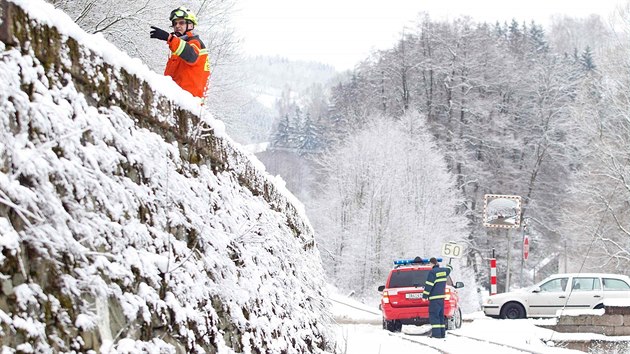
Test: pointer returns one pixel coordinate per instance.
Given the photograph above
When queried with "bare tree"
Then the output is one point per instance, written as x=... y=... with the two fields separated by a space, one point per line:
x=596 y=222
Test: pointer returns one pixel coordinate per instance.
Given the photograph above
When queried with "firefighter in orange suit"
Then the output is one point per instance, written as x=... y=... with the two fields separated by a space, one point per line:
x=188 y=63
x=435 y=291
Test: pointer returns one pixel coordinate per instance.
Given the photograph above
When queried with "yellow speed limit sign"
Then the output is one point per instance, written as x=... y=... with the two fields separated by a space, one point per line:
x=452 y=250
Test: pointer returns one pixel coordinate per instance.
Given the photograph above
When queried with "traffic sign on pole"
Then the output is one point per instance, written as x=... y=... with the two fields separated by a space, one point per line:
x=525 y=247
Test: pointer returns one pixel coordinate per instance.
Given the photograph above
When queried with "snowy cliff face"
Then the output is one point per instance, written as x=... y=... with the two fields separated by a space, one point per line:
x=127 y=223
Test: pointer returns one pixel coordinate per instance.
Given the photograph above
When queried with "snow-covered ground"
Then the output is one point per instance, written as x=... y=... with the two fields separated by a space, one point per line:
x=359 y=332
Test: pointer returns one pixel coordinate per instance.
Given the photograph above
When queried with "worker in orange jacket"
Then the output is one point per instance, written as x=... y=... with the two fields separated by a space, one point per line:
x=188 y=63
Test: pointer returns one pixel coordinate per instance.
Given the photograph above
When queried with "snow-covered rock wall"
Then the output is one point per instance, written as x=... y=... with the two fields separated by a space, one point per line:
x=128 y=224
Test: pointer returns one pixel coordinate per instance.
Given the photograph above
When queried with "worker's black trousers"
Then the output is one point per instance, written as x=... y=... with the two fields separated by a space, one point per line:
x=436 y=318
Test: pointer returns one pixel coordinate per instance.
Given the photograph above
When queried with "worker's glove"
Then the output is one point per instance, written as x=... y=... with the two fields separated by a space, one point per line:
x=159 y=33
x=425 y=296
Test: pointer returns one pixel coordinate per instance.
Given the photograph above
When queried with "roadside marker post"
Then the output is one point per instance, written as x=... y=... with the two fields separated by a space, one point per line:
x=493 y=274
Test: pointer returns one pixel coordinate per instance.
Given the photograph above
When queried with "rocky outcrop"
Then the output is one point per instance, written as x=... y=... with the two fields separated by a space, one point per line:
x=129 y=224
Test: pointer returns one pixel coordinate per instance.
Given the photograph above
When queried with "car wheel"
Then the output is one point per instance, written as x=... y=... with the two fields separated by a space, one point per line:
x=455 y=321
x=512 y=311
x=392 y=326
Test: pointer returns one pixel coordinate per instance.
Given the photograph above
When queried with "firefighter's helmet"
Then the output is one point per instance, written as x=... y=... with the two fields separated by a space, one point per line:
x=185 y=13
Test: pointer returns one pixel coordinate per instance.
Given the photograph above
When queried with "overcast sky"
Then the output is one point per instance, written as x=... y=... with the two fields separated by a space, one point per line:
x=343 y=32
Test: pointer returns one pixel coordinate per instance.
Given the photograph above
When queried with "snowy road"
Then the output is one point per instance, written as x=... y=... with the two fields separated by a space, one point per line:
x=359 y=331
x=504 y=338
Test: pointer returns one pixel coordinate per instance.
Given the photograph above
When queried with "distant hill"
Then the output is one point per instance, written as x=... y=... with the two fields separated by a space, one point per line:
x=249 y=109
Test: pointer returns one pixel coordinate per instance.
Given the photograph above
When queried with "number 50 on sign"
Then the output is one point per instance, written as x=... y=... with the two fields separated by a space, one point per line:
x=452 y=250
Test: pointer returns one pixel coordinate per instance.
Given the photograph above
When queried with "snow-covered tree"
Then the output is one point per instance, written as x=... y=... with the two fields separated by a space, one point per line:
x=388 y=195
x=595 y=222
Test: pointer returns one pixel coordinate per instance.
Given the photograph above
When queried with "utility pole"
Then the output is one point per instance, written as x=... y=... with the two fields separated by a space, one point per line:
x=522 y=253
x=565 y=256
x=509 y=252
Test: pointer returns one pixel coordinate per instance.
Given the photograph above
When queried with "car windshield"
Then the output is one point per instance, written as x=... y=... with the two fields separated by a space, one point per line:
x=406 y=278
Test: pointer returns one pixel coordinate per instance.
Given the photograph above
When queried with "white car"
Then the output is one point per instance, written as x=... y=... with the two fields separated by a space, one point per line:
x=587 y=291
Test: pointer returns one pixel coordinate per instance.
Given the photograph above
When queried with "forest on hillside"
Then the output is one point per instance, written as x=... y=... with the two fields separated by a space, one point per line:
x=508 y=109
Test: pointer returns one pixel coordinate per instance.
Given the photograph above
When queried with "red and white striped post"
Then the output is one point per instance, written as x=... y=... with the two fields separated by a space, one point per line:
x=493 y=274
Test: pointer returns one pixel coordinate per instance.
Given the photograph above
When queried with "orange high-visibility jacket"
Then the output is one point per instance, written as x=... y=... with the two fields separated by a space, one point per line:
x=188 y=65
